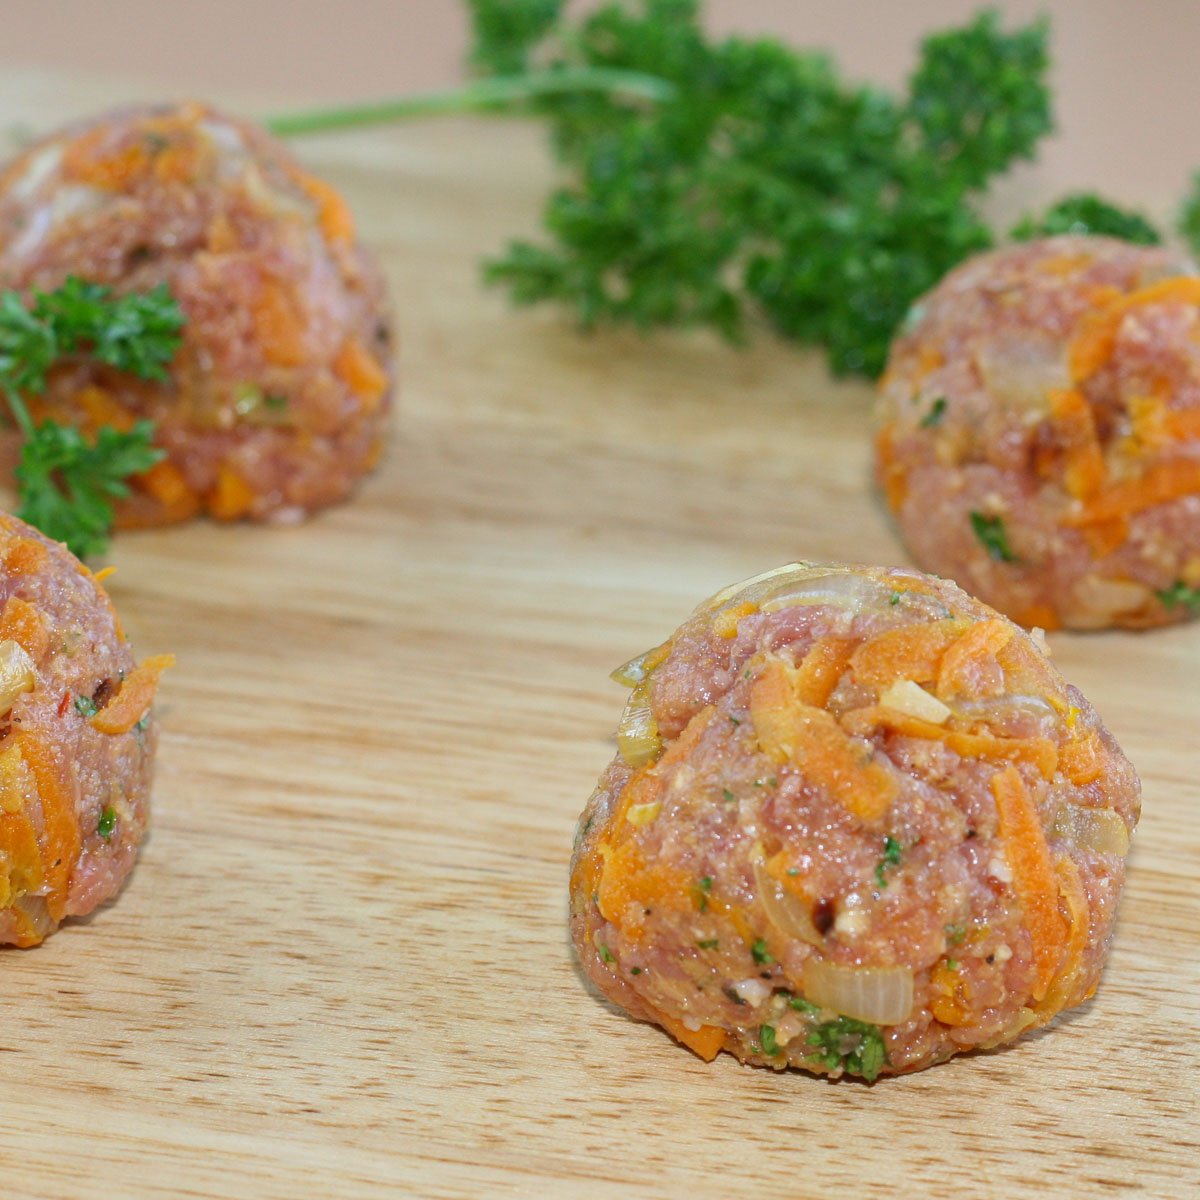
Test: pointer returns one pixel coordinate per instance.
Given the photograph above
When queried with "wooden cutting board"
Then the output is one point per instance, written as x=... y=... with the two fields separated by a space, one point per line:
x=342 y=969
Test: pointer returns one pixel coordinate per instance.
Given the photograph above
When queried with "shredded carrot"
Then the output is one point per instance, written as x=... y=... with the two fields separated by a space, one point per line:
x=333 y=213
x=1093 y=345
x=88 y=160
x=1039 y=751
x=969 y=666
x=1065 y=264
x=20 y=858
x=1039 y=615
x=25 y=556
x=1182 y=424
x=181 y=161
x=788 y=730
x=725 y=623
x=232 y=497
x=1034 y=878
x=929 y=358
x=910 y=652
x=951 y=1003
x=134 y=697
x=167 y=484
x=1083 y=460
x=279 y=325
x=221 y=237
x=1103 y=537
x=708 y=1041
x=102 y=409
x=893 y=477
x=361 y=372
x=1162 y=483
x=24 y=624
x=104 y=573
x=1080 y=760
x=822 y=667
x=1059 y=994
x=58 y=789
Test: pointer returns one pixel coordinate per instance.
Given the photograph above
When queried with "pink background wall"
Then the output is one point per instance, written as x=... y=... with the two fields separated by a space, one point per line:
x=1127 y=83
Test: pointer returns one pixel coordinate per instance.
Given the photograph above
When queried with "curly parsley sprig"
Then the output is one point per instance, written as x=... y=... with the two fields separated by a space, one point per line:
x=66 y=482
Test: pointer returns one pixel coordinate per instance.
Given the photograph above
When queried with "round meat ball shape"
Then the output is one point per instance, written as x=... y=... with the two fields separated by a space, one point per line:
x=77 y=739
x=277 y=400
x=858 y=824
x=1039 y=432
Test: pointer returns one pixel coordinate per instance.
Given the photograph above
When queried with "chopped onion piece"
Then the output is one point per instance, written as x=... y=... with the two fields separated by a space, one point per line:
x=908 y=696
x=1099 y=600
x=17 y=673
x=1021 y=370
x=789 y=914
x=35 y=910
x=798 y=570
x=637 y=735
x=842 y=589
x=878 y=995
x=1098 y=829
x=633 y=672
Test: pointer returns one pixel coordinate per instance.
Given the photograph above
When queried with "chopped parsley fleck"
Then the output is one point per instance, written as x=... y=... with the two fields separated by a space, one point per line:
x=805 y=1006
x=729 y=796
x=85 y=706
x=772 y=782
x=793 y=870
x=894 y=598
x=735 y=720
x=606 y=955
x=107 y=823
x=1179 y=595
x=635 y=970
x=709 y=943
x=759 y=950
x=937 y=411
x=703 y=888
x=766 y=1035
x=993 y=536
x=955 y=934
x=853 y=1045
x=274 y=401
x=891 y=858
x=952 y=964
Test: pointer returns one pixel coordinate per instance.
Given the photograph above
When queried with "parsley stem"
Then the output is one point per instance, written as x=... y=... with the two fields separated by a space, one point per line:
x=20 y=413
x=480 y=95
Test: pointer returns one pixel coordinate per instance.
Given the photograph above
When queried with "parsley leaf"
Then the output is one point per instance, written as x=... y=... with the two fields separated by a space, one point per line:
x=766 y=1036
x=760 y=953
x=66 y=481
x=107 y=823
x=994 y=537
x=1179 y=595
x=937 y=410
x=1083 y=212
x=892 y=852
x=854 y=1045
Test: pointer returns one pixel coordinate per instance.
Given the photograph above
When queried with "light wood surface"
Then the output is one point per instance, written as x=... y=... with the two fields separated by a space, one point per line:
x=341 y=968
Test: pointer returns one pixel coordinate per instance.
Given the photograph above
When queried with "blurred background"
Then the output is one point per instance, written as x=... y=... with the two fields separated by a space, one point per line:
x=1126 y=84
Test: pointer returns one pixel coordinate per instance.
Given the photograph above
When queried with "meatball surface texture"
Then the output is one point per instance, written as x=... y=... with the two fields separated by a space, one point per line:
x=858 y=824
x=1038 y=434
x=278 y=397
x=77 y=738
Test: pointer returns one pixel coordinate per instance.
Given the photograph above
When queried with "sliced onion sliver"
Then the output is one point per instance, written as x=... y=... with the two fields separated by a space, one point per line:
x=878 y=995
x=842 y=589
x=637 y=735
x=789 y=914
x=1098 y=829
x=36 y=911
x=908 y=696
x=17 y=673
x=633 y=672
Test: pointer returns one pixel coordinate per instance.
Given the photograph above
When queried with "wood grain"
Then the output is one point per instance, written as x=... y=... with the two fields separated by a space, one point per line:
x=342 y=969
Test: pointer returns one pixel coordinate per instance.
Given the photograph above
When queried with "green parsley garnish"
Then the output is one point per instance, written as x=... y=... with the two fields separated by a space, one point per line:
x=952 y=964
x=606 y=955
x=703 y=888
x=854 y=1045
x=894 y=598
x=66 y=481
x=955 y=934
x=992 y=534
x=107 y=823
x=709 y=944
x=85 y=706
x=935 y=414
x=766 y=1035
x=891 y=858
x=1084 y=212
x=635 y=970
x=759 y=951
x=1179 y=595
x=805 y=1006
x=728 y=795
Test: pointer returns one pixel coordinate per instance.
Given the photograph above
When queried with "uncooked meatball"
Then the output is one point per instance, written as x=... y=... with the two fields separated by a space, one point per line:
x=77 y=738
x=858 y=824
x=1039 y=432
x=277 y=400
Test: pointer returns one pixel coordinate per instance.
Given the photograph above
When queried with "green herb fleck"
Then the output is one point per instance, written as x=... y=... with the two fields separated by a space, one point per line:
x=955 y=934
x=992 y=534
x=1179 y=595
x=759 y=951
x=891 y=858
x=709 y=944
x=85 y=706
x=635 y=970
x=703 y=888
x=935 y=414
x=853 y=1045
x=606 y=955
x=805 y=1006
x=766 y=1035
x=894 y=598
x=952 y=964
x=773 y=782
x=735 y=720
x=729 y=796
x=107 y=823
